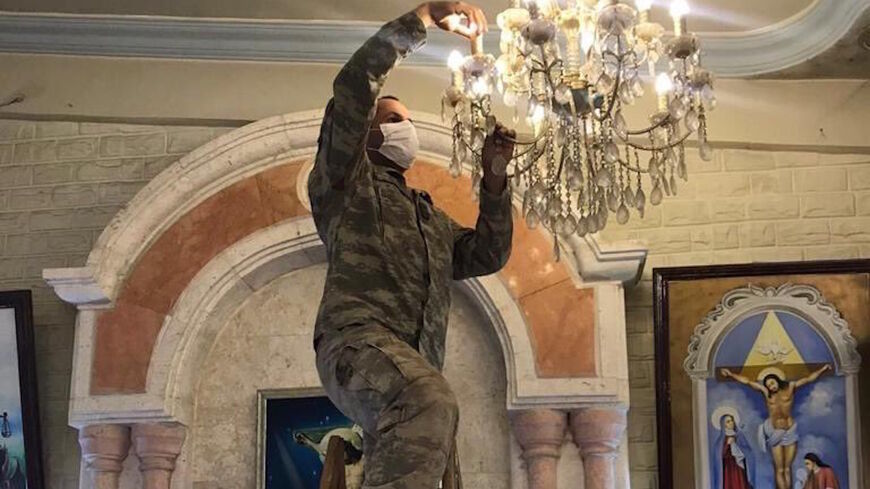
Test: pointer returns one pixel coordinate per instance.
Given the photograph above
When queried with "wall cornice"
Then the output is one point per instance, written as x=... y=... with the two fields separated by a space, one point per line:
x=740 y=54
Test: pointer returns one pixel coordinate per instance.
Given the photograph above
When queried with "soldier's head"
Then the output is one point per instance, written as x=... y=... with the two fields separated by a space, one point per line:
x=392 y=139
x=774 y=383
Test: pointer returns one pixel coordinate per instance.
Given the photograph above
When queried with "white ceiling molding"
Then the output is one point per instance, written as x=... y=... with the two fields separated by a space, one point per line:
x=784 y=44
x=738 y=54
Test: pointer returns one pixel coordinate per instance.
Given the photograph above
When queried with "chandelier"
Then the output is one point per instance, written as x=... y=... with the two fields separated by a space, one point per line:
x=570 y=68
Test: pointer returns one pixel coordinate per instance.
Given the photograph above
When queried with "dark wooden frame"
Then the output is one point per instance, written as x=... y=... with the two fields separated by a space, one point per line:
x=661 y=279
x=20 y=301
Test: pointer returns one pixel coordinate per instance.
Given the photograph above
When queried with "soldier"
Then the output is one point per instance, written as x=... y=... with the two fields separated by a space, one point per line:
x=380 y=330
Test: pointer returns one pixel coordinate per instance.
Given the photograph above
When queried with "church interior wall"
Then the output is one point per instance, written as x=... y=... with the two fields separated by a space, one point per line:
x=791 y=185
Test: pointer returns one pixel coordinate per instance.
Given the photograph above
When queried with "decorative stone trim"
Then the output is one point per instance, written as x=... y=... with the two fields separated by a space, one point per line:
x=738 y=54
x=248 y=264
x=76 y=286
x=251 y=150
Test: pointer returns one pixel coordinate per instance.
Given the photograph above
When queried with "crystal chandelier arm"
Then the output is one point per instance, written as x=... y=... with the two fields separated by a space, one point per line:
x=665 y=121
x=532 y=161
x=672 y=144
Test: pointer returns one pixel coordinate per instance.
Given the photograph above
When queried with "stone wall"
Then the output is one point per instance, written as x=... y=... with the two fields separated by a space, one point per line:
x=60 y=184
x=744 y=206
x=266 y=344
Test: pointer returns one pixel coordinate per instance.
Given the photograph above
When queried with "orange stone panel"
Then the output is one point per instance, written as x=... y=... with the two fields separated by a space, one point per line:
x=560 y=317
x=125 y=337
x=168 y=266
x=562 y=322
x=277 y=188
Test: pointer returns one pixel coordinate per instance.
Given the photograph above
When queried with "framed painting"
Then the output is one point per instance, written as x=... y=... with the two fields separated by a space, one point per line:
x=20 y=452
x=758 y=375
x=294 y=428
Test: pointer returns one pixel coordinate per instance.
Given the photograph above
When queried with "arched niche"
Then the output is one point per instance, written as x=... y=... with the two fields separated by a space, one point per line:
x=195 y=239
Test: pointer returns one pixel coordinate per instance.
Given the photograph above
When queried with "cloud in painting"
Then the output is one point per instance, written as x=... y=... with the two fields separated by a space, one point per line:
x=821 y=445
x=736 y=397
x=820 y=402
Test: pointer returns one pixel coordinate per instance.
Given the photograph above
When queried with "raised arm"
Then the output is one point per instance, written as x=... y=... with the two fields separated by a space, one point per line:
x=812 y=377
x=348 y=117
x=343 y=132
x=486 y=248
x=745 y=381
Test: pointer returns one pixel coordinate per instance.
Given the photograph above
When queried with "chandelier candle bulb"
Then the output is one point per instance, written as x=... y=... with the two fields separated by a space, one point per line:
x=454 y=62
x=663 y=86
x=643 y=7
x=477 y=44
x=679 y=10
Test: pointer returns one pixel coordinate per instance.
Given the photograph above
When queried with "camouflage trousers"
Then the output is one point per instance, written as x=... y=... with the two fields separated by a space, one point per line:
x=404 y=405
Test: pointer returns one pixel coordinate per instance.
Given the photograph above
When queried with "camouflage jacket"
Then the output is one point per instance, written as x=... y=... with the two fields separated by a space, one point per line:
x=392 y=254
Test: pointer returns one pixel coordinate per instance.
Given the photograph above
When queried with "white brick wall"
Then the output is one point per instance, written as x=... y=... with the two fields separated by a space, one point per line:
x=742 y=207
x=60 y=183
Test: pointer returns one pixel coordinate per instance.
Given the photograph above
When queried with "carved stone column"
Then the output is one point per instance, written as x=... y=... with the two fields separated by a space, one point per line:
x=157 y=446
x=598 y=433
x=104 y=448
x=540 y=433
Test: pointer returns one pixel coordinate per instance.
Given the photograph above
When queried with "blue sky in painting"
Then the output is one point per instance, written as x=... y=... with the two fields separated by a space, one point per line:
x=819 y=407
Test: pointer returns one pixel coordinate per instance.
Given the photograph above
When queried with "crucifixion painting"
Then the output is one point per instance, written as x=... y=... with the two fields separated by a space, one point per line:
x=773 y=376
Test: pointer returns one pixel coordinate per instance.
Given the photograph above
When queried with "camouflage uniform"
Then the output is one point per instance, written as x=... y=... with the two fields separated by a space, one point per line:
x=392 y=254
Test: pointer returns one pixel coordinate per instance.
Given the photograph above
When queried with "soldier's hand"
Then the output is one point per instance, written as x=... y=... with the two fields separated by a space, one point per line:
x=498 y=149
x=449 y=17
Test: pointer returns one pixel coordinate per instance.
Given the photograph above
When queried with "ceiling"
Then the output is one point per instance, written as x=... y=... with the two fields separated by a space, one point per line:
x=708 y=15
x=750 y=20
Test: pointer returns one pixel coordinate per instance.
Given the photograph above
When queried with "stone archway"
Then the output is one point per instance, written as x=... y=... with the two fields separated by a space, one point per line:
x=203 y=233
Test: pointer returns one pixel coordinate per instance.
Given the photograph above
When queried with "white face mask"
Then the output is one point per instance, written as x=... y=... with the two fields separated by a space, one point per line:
x=400 y=143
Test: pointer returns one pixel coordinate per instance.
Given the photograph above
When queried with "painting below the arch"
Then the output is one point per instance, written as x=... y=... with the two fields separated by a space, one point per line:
x=294 y=427
x=759 y=375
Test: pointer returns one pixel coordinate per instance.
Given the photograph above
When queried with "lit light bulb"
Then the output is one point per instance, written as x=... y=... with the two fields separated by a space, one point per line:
x=643 y=5
x=455 y=60
x=538 y=114
x=587 y=38
x=664 y=84
x=679 y=10
x=480 y=87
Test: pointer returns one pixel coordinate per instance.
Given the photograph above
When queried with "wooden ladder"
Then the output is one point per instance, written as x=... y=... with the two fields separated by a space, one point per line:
x=332 y=476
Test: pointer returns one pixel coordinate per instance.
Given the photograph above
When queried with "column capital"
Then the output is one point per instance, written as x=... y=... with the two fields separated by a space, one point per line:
x=598 y=430
x=540 y=433
x=158 y=445
x=598 y=433
x=104 y=448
